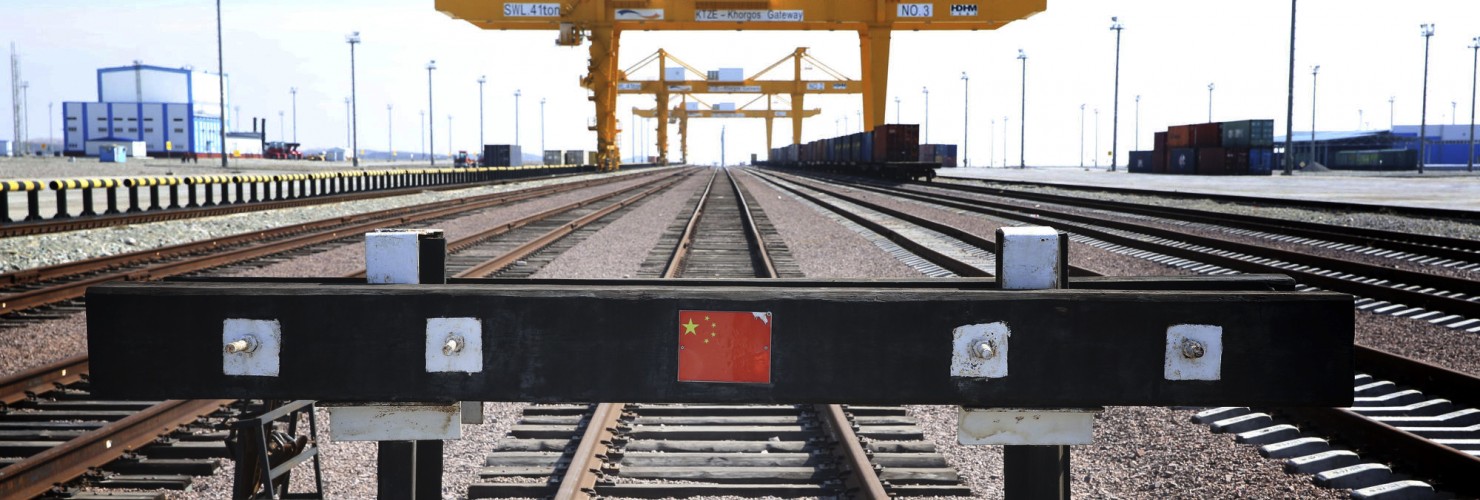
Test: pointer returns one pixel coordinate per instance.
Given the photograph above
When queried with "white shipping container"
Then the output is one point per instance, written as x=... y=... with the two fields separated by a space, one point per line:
x=134 y=149
x=691 y=106
x=673 y=74
x=724 y=106
x=7 y=148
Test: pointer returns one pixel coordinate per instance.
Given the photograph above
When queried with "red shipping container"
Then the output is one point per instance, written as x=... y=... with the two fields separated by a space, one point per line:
x=1207 y=135
x=1159 y=140
x=1179 y=136
x=896 y=143
x=1212 y=161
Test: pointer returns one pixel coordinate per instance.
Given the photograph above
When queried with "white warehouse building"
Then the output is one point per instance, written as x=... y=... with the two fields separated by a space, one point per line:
x=173 y=111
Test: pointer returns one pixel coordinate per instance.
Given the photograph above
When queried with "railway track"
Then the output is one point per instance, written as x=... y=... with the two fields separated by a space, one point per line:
x=641 y=450
x=52 y=432
x=1421 y=416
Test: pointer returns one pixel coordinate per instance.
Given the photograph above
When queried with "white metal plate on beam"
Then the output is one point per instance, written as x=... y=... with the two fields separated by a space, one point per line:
x=393 y=256
x=263 y=338
x=454 y=345
x=1007 y=426
x=396 y=422
x=1207 y=364
x=969 y=359
x=1030 y=258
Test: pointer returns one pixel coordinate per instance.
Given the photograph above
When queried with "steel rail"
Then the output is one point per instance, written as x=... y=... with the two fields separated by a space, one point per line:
x=1079 y=224
x=327 y=232
x=579 y=481
x=22 y=385
x=37 y=474
x=685 y=240
x=494 y=265
x=1463 y=215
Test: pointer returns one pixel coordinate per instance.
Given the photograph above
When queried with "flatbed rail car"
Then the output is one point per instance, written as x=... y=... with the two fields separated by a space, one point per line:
x=887 y=151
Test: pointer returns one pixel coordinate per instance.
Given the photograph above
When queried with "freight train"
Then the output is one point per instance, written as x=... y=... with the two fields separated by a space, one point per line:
x=888 y=151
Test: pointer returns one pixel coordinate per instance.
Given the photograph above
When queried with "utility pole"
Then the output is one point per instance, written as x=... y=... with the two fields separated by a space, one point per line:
x=992 y=145
x=1210 y=103
x=481 y=140
x=896 y=110
x=926 y=132
x=1391 y=99
x=1138 y=122
x=15 y=94
x=1427 y=30
x=966 y=121
x=1004 y=141
x=26 y=117
x=1314 y=72
x=1023 y=114
x=348 y=133
x=294 y=92
x=390 y=131
x=423 y=121
x=1081 y=135
x=1115 y=120
x=516 y=118
x=1097 y=138
x=721 y=145
x=221 y=82
x=542 y=126
x=1474 y=71
x=431 y=65
x=354 y=114
x=450 y=149
x=1290 y=102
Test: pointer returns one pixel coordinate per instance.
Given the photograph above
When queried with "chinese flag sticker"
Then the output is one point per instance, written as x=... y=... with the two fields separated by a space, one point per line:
x=724 y=346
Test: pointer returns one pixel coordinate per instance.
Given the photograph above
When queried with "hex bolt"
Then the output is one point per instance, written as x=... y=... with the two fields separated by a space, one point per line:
x=1192 y=349
x=983 y=349
x=243 y=345
x=454 y=345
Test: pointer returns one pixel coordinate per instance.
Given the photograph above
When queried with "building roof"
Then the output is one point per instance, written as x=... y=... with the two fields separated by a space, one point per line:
x=1331 y=136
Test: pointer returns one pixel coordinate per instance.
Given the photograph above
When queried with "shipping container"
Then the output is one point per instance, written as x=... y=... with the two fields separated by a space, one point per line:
x=502 y=155
x=590 y=157
x=1179 y=136
x=112 y=154
x=1207 y=135
x=7 y=148
x=896 y=143
x=944 y=154
x=1140 y=162
x=1261 y=161
x=1248 y=133
x=575 y=157
x=1381 y=159
x=553 y=157
x=1181 y=161
x=673 y=74
x=724 y=106
x=1211 y=161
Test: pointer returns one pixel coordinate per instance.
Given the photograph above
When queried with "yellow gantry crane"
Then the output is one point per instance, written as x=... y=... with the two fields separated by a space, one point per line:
x=795 y=87
x=603 y=21
x=683 y=112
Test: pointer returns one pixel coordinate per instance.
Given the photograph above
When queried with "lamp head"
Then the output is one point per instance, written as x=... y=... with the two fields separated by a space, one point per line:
x=353 y=38
x=1210 y=86
x=431 y=65
x=482 y=79
x=1115 y=23
x=1426 y=29
x=1022 y=55
x=292 y=90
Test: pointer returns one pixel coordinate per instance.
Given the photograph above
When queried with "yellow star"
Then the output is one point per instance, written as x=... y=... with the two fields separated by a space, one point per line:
x=706 y=341
x=714 y=325
x=689 y=328
x=712 y=334
x=706 y=318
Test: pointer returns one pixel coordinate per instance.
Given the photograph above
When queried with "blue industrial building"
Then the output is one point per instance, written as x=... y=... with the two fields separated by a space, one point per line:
x=172 y=111
x=1446 y=145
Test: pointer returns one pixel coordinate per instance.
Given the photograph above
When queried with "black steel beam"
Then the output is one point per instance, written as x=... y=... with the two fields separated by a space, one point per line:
x=543 y=343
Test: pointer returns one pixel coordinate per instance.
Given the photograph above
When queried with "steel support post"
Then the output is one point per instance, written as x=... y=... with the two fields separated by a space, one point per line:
x=1037 y=472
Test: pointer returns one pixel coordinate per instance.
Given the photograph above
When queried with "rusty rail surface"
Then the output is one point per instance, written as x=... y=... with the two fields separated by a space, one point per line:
x=42 y=379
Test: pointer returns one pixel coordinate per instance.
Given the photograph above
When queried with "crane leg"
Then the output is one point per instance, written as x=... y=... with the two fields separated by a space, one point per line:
x=662 y=128
x=874 y=48
x=796 y=118
x=769 y=125
x=683 y=136
x=603 y=84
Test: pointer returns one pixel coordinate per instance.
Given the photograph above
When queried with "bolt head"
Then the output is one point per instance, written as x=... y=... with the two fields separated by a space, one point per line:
x=1192 y=349
x=983 y=349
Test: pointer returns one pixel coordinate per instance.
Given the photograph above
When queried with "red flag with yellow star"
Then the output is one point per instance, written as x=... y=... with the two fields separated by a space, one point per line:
x=724 y=346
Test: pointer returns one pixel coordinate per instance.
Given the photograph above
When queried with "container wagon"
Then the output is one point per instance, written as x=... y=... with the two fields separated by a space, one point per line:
x=887 y=151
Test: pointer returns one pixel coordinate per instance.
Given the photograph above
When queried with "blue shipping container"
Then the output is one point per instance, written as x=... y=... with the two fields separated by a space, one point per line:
x=1261 y=161
x=1140 y=162
x=1182 y=161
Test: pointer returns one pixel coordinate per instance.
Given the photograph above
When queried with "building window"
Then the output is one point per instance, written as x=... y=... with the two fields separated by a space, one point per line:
x=102 y=130
x=148 y=130
x=71 y=129
x=179 y=119
x=179 y=131
x=102 y=119
x=118 y=129
x=148 y=119
x=133 y=119
x=132 y=129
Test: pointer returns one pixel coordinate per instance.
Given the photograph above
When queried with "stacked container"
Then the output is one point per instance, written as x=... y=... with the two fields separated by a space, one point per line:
x=575 y=157
x=553 y=157
x=501 y=155
x=1242 y=147
x=944 y=154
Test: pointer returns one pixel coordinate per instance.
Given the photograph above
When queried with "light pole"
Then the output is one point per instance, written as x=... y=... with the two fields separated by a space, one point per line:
x=50 y=125
x=1081 y=135
x=1453 y=110
x=26 y=117
x=858 y=113
x=423 y=121
x=431 y=65
x=966 y=120
x=1097 y=138
x=390 y=131
x=294 y=92
x=1210 y=103
x=1290 y=102
x=542 y=125
x=926 y=132
x=235 y=116
x=1023 y=114
x=992 y=145
x=347 y=132
x=845 y=124
x=1391 y=99
x=1314 y=73
x=221 y=82
x=1361 y=118
x=1474 y=71
x=354 y=116
x=1115 y=117
x=1427 y=30
x=282 y=129
x=896 y=110
x=481 y=80
x=516 y=117
x=449 y=138
x=1004 y=141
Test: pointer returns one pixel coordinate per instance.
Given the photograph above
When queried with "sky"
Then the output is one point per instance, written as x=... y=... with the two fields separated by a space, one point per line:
x=1368 y=51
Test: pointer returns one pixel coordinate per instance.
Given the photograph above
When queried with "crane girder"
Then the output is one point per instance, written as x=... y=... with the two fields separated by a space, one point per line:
x=715 y=113
x=746 y=87
x=602 y=22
